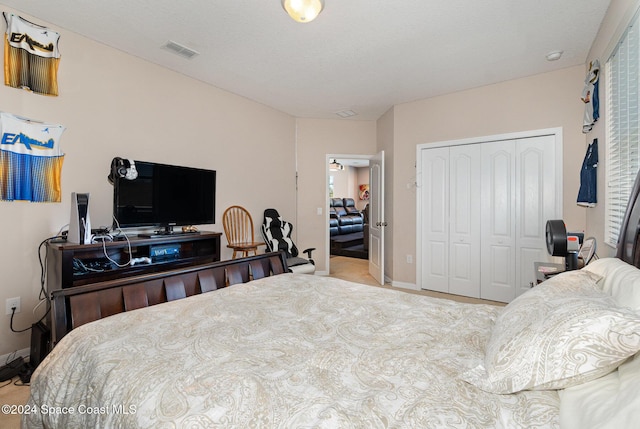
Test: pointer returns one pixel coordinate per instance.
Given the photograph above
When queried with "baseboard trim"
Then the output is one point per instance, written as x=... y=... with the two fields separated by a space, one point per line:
x=404 y=285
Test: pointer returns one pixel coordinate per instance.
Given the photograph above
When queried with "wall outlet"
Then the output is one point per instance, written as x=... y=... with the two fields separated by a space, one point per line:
x=409 y=259
x=13 y=302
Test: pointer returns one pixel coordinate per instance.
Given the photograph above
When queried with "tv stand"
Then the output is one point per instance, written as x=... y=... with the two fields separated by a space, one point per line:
x=66 y=260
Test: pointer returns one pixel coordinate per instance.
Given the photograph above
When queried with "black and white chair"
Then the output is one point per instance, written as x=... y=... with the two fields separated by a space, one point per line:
x=277 y=236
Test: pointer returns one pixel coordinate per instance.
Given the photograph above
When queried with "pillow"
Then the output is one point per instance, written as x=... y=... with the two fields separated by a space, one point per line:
x=610 y=402
x=561 y=333
x=620 y=280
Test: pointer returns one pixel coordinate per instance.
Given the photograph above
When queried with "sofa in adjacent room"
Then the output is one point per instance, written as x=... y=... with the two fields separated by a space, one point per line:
x=346 y=226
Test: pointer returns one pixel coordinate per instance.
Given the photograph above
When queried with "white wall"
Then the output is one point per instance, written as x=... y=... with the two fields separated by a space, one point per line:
x=114 y=104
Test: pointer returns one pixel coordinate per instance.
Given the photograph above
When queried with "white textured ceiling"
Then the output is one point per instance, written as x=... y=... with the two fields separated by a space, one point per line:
x=362 y=55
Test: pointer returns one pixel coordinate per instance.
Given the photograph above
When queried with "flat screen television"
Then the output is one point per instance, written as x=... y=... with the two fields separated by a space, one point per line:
x=165 y=196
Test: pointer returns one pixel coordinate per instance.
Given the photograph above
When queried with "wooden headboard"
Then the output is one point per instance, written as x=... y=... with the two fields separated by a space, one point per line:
x=78 y=305
x=628 y=244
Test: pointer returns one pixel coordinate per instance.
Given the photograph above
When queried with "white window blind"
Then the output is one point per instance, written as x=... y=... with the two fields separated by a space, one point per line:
x=623 y=127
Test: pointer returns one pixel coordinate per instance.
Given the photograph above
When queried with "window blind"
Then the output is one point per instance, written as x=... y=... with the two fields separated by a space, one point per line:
x=623 y=128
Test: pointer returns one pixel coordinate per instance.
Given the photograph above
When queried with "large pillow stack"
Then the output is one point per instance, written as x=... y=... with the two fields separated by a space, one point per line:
x=562 y=333
x=613 y=401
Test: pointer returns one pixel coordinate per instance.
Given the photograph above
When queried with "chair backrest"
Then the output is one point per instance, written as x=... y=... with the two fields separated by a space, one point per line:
x=238 y=225
x=277 y=233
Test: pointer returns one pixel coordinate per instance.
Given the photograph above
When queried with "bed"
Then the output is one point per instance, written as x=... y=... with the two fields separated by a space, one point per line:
x=301 y=351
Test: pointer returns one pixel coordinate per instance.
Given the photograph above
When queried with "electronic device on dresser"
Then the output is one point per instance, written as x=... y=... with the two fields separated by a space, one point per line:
x=564 y=244
x=163 y=196
x=79 y=222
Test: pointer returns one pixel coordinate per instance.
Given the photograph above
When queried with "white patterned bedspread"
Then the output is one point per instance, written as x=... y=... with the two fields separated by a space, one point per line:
x=289 y=351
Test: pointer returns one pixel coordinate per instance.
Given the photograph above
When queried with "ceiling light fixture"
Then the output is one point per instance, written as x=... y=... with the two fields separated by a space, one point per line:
x=334 y=165
x=554 y=55
x=303 y=10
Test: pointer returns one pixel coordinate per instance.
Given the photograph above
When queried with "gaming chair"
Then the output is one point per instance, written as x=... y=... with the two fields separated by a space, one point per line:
x=277 y=236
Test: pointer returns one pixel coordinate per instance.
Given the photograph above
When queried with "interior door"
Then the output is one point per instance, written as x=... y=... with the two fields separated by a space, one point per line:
x=376 y=217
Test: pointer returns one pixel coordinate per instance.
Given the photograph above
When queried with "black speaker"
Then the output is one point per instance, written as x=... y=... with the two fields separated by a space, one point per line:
x=40 y=344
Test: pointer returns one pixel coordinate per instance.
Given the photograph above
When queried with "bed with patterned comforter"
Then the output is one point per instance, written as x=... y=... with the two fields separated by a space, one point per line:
x=287 y=351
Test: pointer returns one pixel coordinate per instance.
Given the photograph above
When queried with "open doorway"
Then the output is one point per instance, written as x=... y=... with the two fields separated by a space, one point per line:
x=348 y=195
x=348 y=201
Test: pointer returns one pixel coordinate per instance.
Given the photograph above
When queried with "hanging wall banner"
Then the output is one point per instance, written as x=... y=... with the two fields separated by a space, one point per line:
x=30 y=160
x=31 y=56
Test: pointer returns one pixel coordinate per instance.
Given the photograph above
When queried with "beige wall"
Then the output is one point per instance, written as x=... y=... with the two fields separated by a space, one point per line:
x=543 y=101
x=616 y=20
x=346 y=183
x=114 y=104
x=317 y=138
x=343 y=182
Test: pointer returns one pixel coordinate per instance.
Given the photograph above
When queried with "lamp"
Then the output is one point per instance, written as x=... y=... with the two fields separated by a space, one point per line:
x=303 y=10
x=334 y=165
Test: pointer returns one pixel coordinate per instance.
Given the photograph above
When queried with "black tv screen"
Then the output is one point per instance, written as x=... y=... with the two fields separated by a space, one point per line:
x=165 y=196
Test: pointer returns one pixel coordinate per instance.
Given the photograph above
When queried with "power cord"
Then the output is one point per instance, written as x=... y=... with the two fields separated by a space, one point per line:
x=120 y=233
x=43 y=276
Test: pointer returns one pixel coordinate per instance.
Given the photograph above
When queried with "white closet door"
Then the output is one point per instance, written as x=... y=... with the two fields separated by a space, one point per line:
x=518 y=197
x=464 y=216
x=483 y=210
x=498 y=236
x=435 y=222
x=535 y=194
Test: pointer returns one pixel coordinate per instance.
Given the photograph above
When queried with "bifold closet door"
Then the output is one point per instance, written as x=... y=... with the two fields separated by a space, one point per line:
x=498 y=220
x=518 y=197
x=435 y=219
x=464 y=220
x=537 y=203
x=451 y=222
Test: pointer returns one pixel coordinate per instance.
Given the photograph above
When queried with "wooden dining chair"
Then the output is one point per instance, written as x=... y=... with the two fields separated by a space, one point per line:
x=238 y=227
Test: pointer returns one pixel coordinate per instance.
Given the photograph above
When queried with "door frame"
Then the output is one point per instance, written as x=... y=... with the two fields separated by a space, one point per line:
x=327 y=241
x=556 y=132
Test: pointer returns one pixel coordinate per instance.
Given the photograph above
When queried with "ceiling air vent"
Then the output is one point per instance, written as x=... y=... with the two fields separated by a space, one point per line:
x=181 y=50
x=346 y=113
